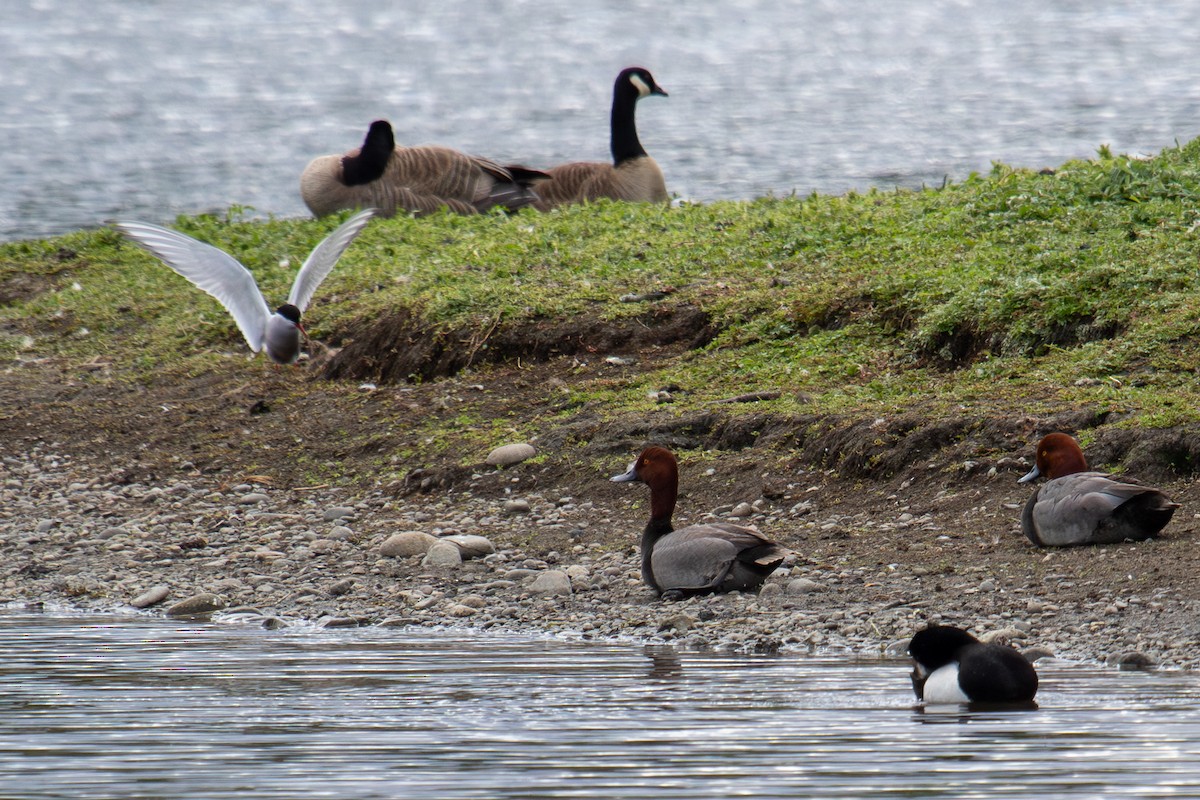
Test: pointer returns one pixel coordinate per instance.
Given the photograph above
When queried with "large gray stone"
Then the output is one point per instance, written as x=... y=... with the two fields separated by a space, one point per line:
x=509 y=454
x=442 y=554
x=470 y=545
x=407 y=543
x=197 y=605
x=552 y=582
x=150 y=597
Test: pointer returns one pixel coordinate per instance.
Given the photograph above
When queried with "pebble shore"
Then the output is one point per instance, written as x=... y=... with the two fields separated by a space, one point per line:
x=514 y=561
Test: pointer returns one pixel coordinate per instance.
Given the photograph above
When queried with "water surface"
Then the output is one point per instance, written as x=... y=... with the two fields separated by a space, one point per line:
x=101 y=707
x=146 y=108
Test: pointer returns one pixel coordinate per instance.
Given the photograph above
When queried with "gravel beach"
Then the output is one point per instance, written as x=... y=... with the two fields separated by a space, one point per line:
x=507 y=548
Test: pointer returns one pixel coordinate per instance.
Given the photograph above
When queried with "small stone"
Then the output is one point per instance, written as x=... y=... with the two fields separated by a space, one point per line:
x=1132 y=660
x=470 y=545
x=460 y=610
x=509 y=454
x=442 y=554
x=551 y=582
x=804 y=586
x=273 y=623
x=678 y=622
x=742 y=510
x=987 y=586
x=1036 y=652
x=196 y=606
x=151 y=597
x=517 y=506
x=252 y=498
x=340 y=588
x=408 y=543
x=770 y=591
x=340 y=533
x=338 y=512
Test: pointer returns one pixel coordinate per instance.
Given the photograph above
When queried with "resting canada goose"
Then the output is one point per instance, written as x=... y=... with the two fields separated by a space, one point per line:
x=633 y=175
x=417 y=179
x=220 y=274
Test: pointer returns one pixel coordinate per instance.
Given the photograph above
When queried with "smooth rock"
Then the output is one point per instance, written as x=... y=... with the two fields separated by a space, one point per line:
x=552 y=582
x=252 y=498
x=442 y=554
x=151 y=597
x=803 y=586
x=407 y=543
x=509 y=454
x=517 y=506
x=470 y=545
x=340 y=588
x=196 y=605
x=742 y=510
x=340 y=533
x=338 y=512
x=1132 y=660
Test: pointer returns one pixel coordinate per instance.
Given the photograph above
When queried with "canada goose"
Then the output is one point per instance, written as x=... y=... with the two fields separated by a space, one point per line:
x=417 y=179
x=220 y=274
x=699 y=559
x=633 y=175
x=1077 y=507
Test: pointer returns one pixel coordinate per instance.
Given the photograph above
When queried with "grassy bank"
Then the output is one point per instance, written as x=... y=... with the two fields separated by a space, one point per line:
x=1016 y=292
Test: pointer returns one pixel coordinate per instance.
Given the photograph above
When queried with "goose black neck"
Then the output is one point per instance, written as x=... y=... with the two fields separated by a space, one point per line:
x=625 y=144
x=372 y=158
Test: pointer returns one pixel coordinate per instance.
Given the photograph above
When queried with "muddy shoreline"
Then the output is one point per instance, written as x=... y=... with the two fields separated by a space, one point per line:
x=874 y=560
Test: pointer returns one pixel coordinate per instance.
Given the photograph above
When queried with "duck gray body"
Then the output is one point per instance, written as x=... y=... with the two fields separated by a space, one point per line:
x=1092 y=508
x=715 y=557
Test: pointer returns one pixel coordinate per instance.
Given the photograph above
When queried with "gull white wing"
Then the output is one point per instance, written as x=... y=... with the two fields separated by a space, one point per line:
x=324 y=256
x=210 y=269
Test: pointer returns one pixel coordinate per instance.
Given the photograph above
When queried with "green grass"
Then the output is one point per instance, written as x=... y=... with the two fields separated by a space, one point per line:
x=1015 y=289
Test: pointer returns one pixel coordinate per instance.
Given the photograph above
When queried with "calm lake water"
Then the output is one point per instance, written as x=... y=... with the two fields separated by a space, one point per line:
x=138 y=707
x=149 y=108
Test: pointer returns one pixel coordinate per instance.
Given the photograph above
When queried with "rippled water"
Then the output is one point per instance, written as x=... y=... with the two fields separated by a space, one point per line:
x=146 y=109
x=101 y=707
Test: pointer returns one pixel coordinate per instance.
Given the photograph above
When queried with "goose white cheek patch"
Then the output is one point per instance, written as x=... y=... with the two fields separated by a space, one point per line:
x=642 y=87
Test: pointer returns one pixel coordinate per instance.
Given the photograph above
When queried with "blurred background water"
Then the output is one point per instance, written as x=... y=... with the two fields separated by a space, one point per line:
x=149 y=108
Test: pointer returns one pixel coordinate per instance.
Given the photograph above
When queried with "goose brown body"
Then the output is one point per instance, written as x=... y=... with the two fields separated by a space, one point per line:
x=632 y=176
x=698 y=559
x=420 y=179
x=1077 y=506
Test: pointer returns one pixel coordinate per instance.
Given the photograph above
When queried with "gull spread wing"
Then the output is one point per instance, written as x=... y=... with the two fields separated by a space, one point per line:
x=210 y=269
x=322 y=259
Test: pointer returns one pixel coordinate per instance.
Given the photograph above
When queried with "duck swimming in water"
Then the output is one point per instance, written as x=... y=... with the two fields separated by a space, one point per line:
x=1076 y=506
x=699 y=559
x=952 y=666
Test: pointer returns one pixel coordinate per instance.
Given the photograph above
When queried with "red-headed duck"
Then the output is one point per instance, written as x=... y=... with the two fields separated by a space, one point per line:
x=416 y=179
x=952 y=666
x=698 y=559
x=220 y=274
x=1076 y=506
x=632 y=176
